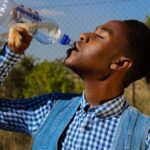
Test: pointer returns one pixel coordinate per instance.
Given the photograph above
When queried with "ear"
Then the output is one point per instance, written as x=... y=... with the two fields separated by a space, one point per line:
x=122 y=63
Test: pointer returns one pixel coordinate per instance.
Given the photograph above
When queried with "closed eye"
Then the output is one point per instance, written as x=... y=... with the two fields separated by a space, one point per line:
x=99 y=36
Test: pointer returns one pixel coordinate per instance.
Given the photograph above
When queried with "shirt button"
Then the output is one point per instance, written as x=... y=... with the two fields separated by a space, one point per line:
x=85 y=126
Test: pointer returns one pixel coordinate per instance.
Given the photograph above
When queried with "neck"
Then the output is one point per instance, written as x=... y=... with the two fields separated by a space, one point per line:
x=97 y=93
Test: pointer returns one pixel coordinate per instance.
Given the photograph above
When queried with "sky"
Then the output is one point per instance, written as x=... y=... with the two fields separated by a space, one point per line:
x=77 y=16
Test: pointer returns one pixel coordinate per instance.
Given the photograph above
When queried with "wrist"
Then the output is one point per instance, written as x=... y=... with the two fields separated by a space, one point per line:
x=15 y=51
x=11 y=53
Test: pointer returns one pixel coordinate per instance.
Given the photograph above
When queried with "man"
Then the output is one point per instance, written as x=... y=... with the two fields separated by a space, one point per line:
x=108 y=60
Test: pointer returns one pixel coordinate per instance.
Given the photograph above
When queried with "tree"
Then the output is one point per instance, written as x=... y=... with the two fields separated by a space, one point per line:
x=50 y=77
x=147 y=21
x=15 y=83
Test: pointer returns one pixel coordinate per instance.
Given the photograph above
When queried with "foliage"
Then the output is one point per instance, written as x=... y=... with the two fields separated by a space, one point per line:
x=15 y=83
x=49 y=77
x=28 y=79
x=147 y=21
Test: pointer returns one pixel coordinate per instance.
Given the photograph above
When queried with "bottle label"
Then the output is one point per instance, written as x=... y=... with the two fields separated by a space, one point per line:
x=25 y=15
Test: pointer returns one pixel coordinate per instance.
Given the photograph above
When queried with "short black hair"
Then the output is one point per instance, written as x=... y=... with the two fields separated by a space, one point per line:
x=138 y=49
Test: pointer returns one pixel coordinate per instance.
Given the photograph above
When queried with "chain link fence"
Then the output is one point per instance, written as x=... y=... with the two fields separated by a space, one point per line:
x=75 y=17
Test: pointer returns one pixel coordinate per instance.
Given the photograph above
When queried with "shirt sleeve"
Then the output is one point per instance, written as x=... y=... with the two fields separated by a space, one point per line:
x=8 y=60
x=148 y=142
x=25 y=115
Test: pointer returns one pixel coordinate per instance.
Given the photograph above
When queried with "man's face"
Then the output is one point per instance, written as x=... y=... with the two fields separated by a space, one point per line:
x=95 y=51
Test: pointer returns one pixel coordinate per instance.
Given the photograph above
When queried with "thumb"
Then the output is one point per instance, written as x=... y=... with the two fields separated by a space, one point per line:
x=20 y=29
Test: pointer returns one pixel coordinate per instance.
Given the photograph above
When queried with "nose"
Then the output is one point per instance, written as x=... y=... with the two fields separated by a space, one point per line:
x=85 y=37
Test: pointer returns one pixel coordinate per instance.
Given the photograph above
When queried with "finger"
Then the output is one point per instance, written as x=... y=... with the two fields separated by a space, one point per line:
x=35 y=12
x=29 y=10
x=20 y=29
x=20 y=33
x=11 y=36
x=11 y=42
x=18 y=41
x=32 y=11
x=19 y=13
x=14 y=37
x=22 y=38
x=27 y=28
x=25 y=37
x=23 y=31
x=14 y=13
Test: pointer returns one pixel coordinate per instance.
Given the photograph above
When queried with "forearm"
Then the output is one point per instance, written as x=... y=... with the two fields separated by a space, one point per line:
x=25 y=115
x=18 y=42
x=8 y=60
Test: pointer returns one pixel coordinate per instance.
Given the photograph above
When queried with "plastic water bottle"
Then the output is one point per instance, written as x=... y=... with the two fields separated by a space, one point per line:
x=46 y=31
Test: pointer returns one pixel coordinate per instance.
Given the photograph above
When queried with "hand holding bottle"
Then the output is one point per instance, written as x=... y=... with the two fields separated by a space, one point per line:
x=48 y=32
x=18 y=39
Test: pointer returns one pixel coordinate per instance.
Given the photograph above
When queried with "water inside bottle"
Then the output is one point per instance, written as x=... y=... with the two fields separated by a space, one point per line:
x=45 y=33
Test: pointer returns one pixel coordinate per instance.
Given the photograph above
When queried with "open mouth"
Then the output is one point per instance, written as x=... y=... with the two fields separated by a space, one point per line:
x=73 y=48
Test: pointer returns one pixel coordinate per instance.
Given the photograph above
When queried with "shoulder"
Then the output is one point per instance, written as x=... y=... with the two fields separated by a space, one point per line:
x=64 y=96
x=55 y=96
x=141 y=116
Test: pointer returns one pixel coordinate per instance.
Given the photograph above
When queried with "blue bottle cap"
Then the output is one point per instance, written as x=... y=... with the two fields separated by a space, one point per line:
x=65 y=40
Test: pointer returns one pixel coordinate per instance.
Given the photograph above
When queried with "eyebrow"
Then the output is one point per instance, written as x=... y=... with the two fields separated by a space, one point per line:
x=105 y=29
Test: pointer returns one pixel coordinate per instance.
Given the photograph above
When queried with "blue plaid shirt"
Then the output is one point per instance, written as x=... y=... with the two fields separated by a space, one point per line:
x=92 y=128
x=8 y=59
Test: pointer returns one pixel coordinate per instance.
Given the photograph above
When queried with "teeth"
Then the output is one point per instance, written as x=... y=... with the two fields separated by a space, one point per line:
x=73 y=45
x=72 y=48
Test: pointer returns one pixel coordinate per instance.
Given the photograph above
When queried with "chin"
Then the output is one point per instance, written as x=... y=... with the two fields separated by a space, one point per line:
x=67 y=64
x=68 y=61
x=74 y=68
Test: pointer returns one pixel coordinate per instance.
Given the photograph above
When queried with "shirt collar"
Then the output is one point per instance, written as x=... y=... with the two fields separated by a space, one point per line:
x=113 y=107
